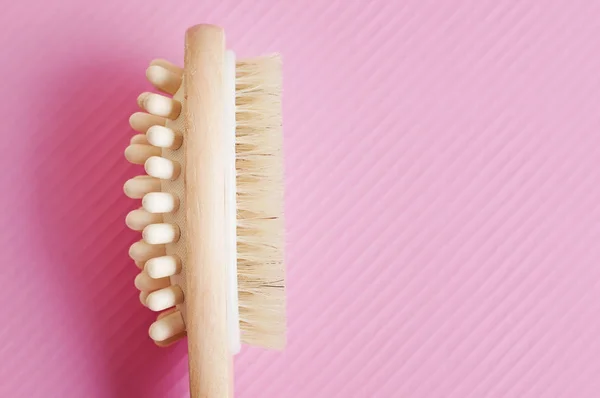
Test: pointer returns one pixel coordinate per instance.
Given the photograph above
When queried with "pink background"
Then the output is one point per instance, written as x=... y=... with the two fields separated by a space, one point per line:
x=443 y=197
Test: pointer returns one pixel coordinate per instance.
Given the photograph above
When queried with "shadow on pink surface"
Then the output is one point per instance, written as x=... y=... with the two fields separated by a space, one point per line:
x=81 y=209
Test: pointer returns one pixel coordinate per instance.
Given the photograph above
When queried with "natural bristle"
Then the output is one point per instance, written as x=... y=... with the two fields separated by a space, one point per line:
x=259 y=181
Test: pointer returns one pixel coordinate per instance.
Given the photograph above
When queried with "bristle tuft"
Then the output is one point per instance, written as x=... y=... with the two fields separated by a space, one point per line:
x=259 y=166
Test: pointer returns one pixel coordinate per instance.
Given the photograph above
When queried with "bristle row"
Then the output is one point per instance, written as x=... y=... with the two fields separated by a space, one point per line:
x=260 y=201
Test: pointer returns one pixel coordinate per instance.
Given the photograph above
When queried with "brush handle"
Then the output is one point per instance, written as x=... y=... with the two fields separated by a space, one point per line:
x=210 y=362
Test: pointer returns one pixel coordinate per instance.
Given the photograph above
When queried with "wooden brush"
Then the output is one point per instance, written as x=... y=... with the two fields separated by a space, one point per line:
x=211 y=252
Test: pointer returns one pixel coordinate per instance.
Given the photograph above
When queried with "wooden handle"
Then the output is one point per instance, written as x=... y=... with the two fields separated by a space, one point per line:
x=210 y=362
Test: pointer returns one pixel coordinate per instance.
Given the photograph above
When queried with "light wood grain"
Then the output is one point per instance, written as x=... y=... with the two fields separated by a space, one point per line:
x=209 y=358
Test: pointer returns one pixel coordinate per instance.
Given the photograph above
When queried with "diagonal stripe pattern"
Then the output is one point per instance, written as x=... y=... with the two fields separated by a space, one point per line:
x=442 y=197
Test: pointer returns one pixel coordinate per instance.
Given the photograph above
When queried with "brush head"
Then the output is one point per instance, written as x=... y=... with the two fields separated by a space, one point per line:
x=258 y=203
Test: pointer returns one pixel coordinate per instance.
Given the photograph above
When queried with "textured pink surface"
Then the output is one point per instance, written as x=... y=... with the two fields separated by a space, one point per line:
x=443 y=190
